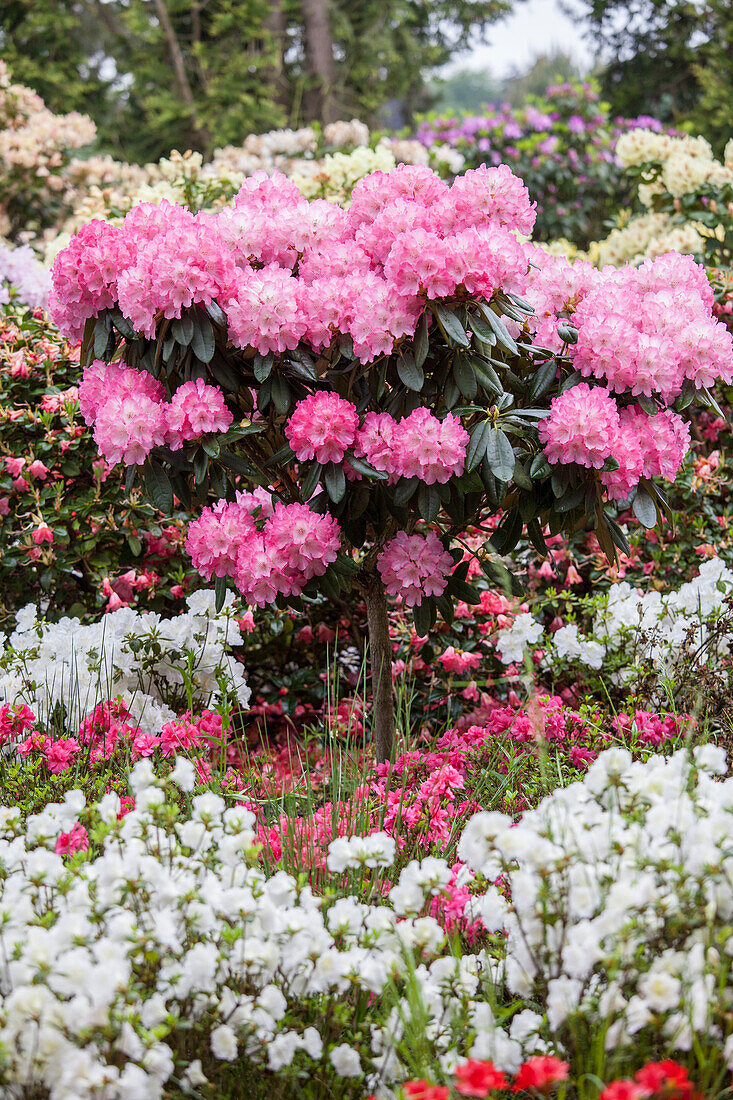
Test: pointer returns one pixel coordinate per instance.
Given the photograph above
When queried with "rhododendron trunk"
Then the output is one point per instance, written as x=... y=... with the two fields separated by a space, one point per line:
x=380 y=655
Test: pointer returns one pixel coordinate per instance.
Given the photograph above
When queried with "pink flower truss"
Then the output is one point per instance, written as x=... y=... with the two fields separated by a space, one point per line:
x=128 y=426
x=583 y=427
x=195 y=409
x=431 y=449
x=322 y=426
x=414 y=566
x=294 y=545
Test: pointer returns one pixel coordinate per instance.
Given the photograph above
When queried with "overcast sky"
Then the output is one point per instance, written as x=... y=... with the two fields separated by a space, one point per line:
x=535 y=27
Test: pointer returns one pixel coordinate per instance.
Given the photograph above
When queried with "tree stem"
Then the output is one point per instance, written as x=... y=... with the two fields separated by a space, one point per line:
x=380 y=656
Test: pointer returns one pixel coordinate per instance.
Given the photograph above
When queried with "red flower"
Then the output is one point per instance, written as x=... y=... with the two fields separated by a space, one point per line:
x=540 y=1073
x=479 y=1078
x=667 y=1079
x=423 y=1090
x=623 y=1090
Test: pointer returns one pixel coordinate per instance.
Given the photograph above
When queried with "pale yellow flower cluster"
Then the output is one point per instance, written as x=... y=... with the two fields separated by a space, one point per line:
x=678 y=167
x=683 y=164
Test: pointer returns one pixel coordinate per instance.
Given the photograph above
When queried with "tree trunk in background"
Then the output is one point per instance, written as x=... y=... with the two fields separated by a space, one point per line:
x=319 y=64
x=277 y=26
x=179 y=68
x=380 y=658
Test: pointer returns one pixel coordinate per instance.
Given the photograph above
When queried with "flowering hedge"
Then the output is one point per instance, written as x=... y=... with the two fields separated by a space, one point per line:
x=35 y=146
x=344 y=344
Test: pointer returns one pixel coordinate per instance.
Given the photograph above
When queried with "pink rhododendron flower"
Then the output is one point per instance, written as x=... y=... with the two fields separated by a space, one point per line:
x=322 y=426
x=194 y=410
x=583 y=427
x=414 y=566
x=42 y=533
x=431 y=449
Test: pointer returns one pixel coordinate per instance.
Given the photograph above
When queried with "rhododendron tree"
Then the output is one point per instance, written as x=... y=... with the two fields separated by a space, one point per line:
x=386 y=377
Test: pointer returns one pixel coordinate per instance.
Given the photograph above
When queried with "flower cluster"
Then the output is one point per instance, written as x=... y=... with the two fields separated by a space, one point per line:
x=419 y=445
x=294 y=545
x=163 y=259
x=605 y=858
x=414 y=566
x=130 y=417
x=562 y=144
x=22 y=275
x=323 y=426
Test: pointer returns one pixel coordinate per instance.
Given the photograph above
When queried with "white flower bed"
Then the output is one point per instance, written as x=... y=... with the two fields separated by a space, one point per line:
x=169 y=954
x=621 y=902
x=159 y=666
x=635 y=626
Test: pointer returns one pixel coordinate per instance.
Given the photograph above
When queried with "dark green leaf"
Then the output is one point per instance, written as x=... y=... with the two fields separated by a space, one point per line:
x=567 y=332
x=536 y=537
x=262 y=366
x=465 y=377
x=203 y=343
x=236 y=463
x=618 y=536
x=329 y=584
x=477 y=444
x=648 y=404
x=540 y=467
x=572 y=499
x=521 y=477
x=216 y=313
x=360 y=466
x=500 y=454
x=182 y=330
x=500 y=329
x=405 y=490
x=424 y=616
x=452 y=327
x=507 y=534
x=158 y=486
x=444 y=605
x=451 y=393
x=212 y=447
x=428 y=502
x=463 y=591
x=122 y=325
x=543 y=379
x=571 y=380
x=102 y=329
x=409 y=373
x=225 y=375
x=644 y=508
x=281 y=394
x=129 y=479
x=200 y=465
x=310 y=482
x=335 y=482
x=487 y=376
x=285 y=454
x=220 y=590
x=421 y=341
x=87 y=342
x=484 y=331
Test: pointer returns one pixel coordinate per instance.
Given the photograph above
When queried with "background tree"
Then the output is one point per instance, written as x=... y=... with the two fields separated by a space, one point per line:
x=464 y=90
x=546 y=69
x=663 y=56
x=162 y=74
